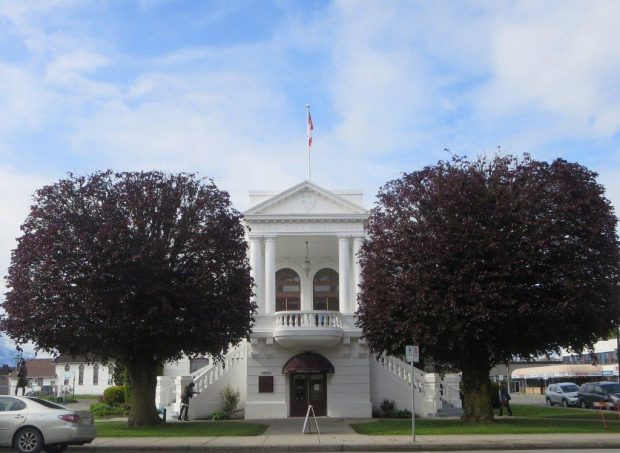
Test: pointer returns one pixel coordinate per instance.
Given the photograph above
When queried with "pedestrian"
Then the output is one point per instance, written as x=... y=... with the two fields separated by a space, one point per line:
x=504 y=398
x=188 y=393
x=61 y=394
x=22 y=377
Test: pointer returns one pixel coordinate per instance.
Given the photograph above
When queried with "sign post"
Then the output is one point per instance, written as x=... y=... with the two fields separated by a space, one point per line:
x=412 y=353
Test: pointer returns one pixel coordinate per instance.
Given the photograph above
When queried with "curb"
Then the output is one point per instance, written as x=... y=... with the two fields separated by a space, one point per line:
x=360 y=447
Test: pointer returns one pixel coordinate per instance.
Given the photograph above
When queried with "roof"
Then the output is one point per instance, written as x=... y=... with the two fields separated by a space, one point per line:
x=38 y=368
x=68 y=358
x=308 y=362
x=553 y=371
x=307 y=193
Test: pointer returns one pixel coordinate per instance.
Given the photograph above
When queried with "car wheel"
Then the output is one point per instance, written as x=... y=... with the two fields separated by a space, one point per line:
x=28 y=440
x=56 y=448
x=583 y=404
x=549 y=402
x=564 y=403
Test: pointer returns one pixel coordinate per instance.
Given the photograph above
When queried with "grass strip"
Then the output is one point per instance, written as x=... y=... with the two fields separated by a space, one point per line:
x=526 y=420
x=192 y=429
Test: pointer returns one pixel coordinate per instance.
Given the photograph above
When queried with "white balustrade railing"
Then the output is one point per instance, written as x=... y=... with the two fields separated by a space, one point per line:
x=169 y=389
x=402 y=370
x=206 y=376
x=315 y=319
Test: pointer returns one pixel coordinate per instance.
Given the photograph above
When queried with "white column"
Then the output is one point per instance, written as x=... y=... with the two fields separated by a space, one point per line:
x=344 y=258
x=256 y=263
x=270 y=274
x=357 y=269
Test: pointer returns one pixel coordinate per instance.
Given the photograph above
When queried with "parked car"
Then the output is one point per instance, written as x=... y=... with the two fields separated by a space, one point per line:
x=40 y=390
x=563 y=393
x=30 y=424
x=599 y=394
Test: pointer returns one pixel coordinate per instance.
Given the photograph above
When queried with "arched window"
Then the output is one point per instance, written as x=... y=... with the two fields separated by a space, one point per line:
x=67 y=367
x=288 y=290
x=81 y=375
x=325 y=290
x=96 y=375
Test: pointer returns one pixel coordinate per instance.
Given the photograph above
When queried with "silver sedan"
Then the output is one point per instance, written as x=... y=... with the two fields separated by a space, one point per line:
x=32 y=424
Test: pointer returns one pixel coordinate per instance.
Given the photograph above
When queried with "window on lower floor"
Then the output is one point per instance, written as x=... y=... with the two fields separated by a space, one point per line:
x=96 y=375
x=81 y=375
x=198 y=362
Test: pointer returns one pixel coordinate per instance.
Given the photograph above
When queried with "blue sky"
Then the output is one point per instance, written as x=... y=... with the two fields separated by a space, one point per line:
x=220 y=87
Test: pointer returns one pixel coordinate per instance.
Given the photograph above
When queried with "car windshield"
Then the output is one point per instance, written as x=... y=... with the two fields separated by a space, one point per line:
x=47 y=403
x=567 y=388
x=611 y=388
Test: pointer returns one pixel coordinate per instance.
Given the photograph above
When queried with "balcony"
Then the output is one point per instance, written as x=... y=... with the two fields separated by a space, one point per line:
x=314 y=329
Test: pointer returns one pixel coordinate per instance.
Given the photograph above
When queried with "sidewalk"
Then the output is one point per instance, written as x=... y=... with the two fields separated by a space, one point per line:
x=352 y=442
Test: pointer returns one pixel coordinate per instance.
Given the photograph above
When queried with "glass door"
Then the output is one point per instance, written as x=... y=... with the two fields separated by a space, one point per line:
x=308 y=389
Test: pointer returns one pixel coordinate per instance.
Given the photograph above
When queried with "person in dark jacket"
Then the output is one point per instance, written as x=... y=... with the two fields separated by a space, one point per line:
x=504 y=398
x=188 y=393
x=22 y=377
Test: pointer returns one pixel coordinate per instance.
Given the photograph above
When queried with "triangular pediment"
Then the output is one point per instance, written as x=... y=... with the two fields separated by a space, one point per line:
x=305 y=198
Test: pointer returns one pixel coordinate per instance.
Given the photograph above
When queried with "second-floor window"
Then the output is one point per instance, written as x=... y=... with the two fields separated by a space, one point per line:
x=325 y=290
x=288 y=290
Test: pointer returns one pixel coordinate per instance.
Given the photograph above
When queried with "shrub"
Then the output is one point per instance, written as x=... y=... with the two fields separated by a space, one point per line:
x=114 y=396
x=387 y=408
x=405 y=413
x=219 y=415
x=101 y=409
x=231 y=399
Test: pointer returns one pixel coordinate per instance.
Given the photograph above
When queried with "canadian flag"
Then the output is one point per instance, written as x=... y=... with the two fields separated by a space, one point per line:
x=310 y=129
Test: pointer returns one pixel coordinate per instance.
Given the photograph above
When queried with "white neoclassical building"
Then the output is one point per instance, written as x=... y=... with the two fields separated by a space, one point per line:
x=305 y=347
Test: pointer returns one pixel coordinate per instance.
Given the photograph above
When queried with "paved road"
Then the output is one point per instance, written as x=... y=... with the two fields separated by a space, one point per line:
x=537 y=400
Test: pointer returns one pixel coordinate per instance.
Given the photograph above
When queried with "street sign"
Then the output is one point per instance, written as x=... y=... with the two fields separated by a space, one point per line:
x=68 y=375
x=412 y=353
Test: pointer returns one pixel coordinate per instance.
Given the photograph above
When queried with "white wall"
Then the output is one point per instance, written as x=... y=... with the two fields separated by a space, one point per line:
x=348 y=389
x=87 y=387
x=177 y=368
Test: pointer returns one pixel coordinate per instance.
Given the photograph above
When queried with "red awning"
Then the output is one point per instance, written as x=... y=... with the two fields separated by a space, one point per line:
x=308 y=362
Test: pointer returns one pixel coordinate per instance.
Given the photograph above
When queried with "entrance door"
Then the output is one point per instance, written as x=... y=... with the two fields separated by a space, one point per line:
x=308 y=388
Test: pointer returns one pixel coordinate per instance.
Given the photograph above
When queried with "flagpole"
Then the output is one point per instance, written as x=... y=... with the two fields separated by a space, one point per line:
x=308 y=140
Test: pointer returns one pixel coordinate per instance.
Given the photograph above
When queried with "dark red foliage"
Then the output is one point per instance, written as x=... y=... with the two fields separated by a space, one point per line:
x=133 y=267
x=480 y=261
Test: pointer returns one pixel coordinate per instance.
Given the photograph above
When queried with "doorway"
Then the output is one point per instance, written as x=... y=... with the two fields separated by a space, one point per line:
x=308 y=388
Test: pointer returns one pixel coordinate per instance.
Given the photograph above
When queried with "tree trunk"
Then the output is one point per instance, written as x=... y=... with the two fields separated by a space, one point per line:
x=142 y=375
x=477 y=405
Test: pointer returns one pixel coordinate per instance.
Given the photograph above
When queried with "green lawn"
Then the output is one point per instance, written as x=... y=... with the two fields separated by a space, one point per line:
x=193 y=429
x=526 y=420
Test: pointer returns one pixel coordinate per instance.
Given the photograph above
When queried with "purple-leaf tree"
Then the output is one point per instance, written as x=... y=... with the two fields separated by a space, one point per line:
x=135 y=268
x=480 y=261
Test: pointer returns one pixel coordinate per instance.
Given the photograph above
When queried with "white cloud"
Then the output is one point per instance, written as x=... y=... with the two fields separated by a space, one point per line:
x=16 y=190
x=561 y=58
x=23 y=98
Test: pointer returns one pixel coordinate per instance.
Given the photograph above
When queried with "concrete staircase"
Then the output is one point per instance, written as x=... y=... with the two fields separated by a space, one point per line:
x=391 y=379
x=209 y=382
